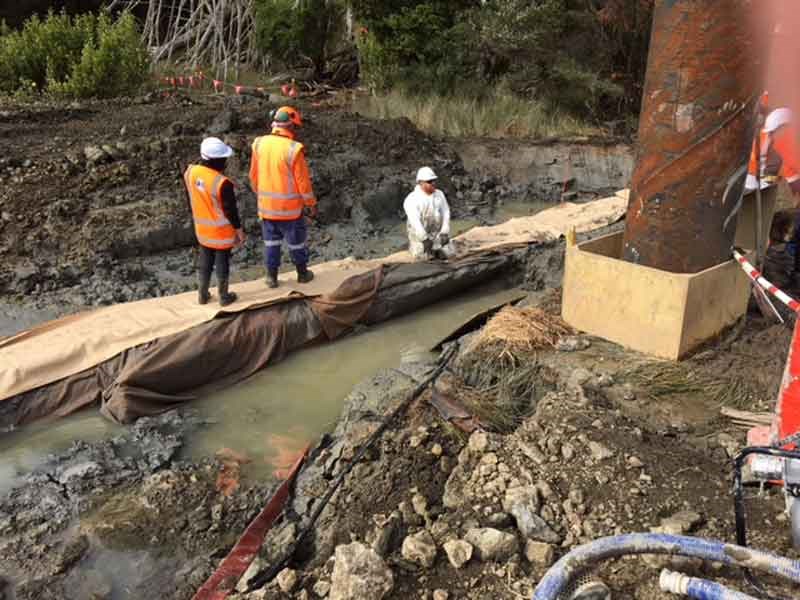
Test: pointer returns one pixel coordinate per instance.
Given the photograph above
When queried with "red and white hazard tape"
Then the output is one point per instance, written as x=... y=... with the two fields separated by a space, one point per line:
x=756 y=276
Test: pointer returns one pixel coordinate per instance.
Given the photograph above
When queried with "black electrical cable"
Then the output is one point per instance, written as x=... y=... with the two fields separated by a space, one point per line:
x=266 y=575
x=739 y=507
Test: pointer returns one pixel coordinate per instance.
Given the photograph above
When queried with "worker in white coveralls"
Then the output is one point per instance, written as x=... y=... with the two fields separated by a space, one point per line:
x=428 y=219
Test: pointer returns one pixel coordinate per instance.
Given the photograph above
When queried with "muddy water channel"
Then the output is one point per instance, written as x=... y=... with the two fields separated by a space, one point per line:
x=289 y=405
x=277 y=411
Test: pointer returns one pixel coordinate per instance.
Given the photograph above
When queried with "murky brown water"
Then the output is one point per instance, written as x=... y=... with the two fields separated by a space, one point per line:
x=278 y=410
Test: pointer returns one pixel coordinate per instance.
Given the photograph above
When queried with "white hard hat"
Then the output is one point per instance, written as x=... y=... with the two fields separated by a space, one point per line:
x=426 y=174
x=777 y=118
x=215 y=148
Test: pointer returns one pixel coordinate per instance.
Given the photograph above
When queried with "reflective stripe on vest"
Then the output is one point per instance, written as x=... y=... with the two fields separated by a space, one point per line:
x=211 y=227
x=278 y=198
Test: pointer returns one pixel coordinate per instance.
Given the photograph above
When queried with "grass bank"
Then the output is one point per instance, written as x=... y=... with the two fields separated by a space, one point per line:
x=499 y=115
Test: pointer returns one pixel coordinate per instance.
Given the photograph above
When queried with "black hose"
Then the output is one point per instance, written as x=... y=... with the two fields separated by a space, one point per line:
x=266 y=575
x=739 y=507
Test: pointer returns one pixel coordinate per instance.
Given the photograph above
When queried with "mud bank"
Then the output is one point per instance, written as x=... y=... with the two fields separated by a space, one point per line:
x=94 y=213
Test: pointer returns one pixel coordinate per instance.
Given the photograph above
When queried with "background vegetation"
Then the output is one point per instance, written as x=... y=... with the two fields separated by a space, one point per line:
x=80 y=56
x=504 y=67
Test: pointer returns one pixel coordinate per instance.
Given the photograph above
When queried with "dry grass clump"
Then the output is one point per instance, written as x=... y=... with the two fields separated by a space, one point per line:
x=500 y=375
x=515 y=332
x=662 y=378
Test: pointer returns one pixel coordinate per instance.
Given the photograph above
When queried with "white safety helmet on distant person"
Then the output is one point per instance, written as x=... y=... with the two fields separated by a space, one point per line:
x=212 y=148
x=777 y=118
x=426 y=174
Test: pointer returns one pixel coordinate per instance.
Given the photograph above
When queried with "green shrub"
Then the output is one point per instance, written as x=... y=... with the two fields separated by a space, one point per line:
x=81 y=56
x=115 y=62
x=580 y=57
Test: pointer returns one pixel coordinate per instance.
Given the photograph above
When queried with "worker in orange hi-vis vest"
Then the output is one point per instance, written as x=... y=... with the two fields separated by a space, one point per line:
x=216 y=217
x=280 y=179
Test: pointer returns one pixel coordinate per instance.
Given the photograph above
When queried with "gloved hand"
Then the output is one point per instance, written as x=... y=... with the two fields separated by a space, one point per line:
x=444 y=239
x=311 y=211
x=427 y=246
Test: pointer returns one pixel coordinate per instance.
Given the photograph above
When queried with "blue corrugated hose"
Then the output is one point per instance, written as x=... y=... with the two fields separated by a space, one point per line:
x=561 y=574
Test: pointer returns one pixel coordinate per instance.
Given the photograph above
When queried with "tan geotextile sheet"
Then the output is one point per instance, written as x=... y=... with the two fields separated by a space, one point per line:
x=70 y=345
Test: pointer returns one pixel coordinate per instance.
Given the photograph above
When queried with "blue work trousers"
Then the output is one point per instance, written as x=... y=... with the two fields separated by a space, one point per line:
x=274 y=232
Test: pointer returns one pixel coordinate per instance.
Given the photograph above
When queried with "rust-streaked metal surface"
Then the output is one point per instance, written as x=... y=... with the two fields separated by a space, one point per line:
x=695 y=132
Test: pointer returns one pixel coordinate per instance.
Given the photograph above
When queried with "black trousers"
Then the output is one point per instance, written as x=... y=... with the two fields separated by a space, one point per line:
x=211 y=258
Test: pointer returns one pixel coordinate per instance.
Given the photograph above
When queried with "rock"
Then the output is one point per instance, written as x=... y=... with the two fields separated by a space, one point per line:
x=359 y=574
x=680 y=523
x=458 y=552
x=500 y=520
x=579 y=377
x=568 y=451
x=534 y=527
x=287 y=580
x=599 y=451
x=440 y=595
x=302 y=595
x=227 y=120
x=322 y=588
x=255 y=567
x=111 y=151
x=478 y=442
x=539 y=553
x=436 y=450
x=572 y=344
x=492 y=544
x=634 y=462
x=420 y=549
x=521 y=495
x=532 y=452
x=410 y=517
x=420 y=504
x=95 y=155
x=385 y=533
x=605 y=380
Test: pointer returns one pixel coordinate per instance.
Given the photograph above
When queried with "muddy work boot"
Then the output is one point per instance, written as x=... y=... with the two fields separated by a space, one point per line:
x=225 y=297
x=203 y=295
x=272 y=278
x=304 y=275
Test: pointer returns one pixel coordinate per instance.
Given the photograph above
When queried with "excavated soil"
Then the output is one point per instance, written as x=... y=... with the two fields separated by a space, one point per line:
x=93 y=212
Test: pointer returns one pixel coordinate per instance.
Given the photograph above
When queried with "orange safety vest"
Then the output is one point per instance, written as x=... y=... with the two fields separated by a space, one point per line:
x=212 y=228
x=785 y=145
x=770 y=160
x=278 y=196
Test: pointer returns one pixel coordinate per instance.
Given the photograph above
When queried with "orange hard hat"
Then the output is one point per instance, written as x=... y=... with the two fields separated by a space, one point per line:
x=286 y=115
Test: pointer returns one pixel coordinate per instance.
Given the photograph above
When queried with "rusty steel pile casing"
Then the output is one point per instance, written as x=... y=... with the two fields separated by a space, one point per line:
x=695 y=132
